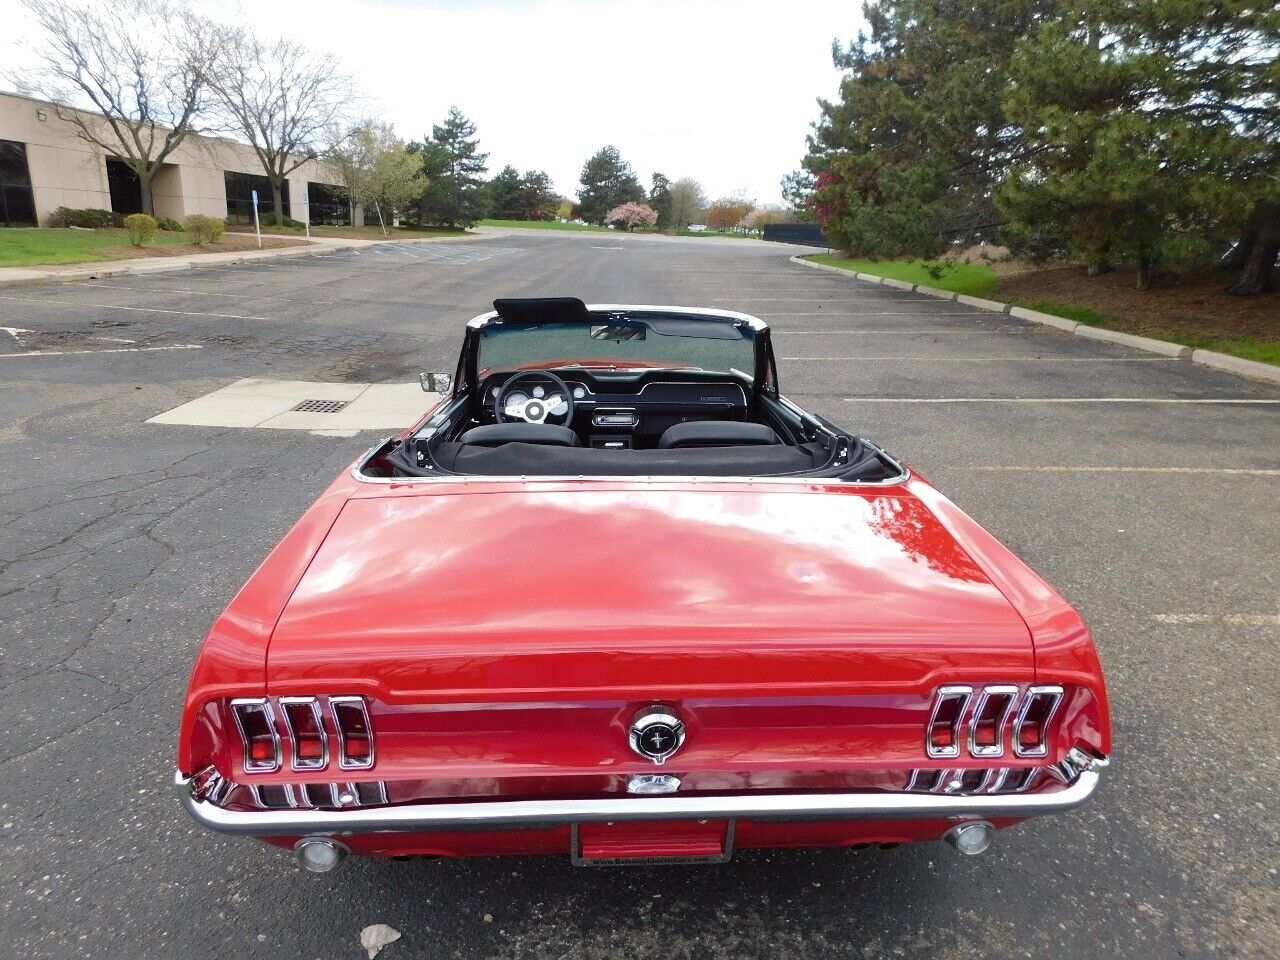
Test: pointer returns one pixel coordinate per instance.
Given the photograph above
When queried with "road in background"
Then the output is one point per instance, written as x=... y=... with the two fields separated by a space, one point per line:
x=1144 y=488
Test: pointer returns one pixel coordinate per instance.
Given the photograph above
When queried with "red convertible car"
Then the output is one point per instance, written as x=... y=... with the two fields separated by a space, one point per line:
x=616 y=597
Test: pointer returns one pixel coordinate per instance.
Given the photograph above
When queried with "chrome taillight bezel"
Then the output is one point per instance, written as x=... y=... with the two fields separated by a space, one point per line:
x=345 y=762
x=312 y=705
x=1033 y=694
x=239 y=707
x=986 y=751
x=948 y=694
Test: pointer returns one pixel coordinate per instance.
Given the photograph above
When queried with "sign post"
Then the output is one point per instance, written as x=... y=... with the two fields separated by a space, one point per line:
x=306 y=207
x=257 y=227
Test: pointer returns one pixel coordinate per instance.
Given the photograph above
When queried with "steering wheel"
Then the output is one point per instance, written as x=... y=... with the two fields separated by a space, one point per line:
x=516 y=400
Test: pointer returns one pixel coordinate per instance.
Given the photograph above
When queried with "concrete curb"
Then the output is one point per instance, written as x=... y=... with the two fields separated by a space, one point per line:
x=1177 y=351
x=122 y=268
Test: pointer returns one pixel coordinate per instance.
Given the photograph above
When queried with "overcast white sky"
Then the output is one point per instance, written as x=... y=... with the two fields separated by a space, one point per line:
x=719 y=90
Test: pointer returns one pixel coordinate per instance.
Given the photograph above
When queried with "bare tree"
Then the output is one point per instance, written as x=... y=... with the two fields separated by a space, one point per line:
x=282 y=98
x=135 y=69
x=687 y=201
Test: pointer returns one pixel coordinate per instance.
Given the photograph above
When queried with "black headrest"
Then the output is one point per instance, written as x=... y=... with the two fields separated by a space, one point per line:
x=541 y=309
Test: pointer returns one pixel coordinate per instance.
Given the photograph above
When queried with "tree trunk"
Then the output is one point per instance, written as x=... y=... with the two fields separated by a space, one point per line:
x=144 y=189
x=1262 y=236
x=277 y=200
x=1146 y=267
x=1239 y=255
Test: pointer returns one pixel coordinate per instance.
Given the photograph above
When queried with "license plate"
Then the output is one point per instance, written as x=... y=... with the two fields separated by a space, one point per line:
x=646 y=843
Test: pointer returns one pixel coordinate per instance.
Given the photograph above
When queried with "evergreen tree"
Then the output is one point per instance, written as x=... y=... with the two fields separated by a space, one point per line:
x=455 y=193
x=504 y=194
x=537 y=198
x=797 y=190
x=660 y=200
x=607 y=182
x=1154 y=136
x=907 y=157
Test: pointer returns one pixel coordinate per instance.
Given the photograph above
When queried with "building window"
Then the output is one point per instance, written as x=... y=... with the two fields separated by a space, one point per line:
x=17 y=202
x=125 y=187
x=240 y=187
x=328 y=204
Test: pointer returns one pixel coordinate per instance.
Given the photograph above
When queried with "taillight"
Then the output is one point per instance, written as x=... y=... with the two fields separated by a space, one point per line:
x=1031 y=729
x=943 y=736
x=990 y=715
x=355 y=736
x=306 y=733
x=256 y=723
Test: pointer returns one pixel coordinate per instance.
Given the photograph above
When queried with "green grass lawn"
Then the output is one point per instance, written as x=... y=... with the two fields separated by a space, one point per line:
x=592 y=228
x=973 y=279
x=732 y=234
x=546 y=225
x=367 y=232
x=21 y=247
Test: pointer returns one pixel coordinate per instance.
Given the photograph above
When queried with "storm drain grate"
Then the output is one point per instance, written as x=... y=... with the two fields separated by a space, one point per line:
x=320 y=406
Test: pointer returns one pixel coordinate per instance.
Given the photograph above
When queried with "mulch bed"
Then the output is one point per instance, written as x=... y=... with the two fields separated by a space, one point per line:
x=1193 y=306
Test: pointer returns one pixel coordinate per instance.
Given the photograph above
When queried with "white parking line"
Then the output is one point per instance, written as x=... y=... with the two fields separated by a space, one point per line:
x=65 y=353
x=202 y=293
x=1240 y=619
x=1213 y=400
x=842 y=314
x=923 y=331
x=112 y=306
x=939 y=359
x=1230 y=471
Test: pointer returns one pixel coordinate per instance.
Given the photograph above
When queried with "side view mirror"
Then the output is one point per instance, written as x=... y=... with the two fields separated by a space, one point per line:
x=435 y=382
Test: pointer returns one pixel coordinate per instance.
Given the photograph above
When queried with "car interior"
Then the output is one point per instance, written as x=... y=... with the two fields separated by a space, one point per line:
x=550 y=387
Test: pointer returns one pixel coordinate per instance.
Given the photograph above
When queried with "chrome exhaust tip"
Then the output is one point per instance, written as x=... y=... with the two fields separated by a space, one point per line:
x=319 y=854
x=972 y=838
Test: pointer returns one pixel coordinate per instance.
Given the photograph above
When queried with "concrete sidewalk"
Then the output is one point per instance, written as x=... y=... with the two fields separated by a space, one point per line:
x=318 y=246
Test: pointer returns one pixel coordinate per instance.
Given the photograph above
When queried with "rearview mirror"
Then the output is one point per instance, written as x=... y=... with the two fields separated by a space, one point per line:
x=435 y=382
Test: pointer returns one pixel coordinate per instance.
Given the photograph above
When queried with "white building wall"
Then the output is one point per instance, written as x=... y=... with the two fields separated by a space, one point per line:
x=69 y=172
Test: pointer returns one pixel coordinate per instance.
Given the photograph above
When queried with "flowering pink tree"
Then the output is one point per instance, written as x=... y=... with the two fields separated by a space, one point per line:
x=632 y=214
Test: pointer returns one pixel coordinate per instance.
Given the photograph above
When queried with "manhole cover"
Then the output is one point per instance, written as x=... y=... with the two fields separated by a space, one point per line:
x=320 y=406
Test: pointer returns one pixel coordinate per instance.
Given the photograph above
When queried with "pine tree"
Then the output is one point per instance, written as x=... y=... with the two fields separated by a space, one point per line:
x=454 y=168
x=537 y=198
x=607 y=182
x=660 y=200
x=906 y=158
x=504 y=194
x=1153 y=136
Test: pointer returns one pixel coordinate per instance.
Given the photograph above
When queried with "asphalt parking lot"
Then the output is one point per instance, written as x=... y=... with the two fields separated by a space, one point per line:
x=1145 y=489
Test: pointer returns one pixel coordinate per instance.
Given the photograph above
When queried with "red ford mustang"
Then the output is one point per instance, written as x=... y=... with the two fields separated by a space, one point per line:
x=616 y=597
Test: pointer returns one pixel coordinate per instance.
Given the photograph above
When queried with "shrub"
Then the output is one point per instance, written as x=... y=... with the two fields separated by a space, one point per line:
x=142 y=228
x=202 y=229
x=291 y=224
x=90 y=218
x=168 y=224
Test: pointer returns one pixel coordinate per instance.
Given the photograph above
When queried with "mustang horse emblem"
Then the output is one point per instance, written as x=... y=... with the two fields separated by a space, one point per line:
x=656 y=733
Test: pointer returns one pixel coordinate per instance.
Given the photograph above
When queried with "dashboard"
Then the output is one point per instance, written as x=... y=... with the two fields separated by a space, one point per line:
x=615 y=411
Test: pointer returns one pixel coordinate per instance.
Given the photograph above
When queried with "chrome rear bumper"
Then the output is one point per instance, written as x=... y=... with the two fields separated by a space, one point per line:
x=505 y=814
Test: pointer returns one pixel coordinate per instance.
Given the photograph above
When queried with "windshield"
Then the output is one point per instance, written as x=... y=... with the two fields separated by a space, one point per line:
x=722 y=346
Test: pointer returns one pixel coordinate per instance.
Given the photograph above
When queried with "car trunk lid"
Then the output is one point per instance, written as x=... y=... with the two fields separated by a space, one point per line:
x=650 y=592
